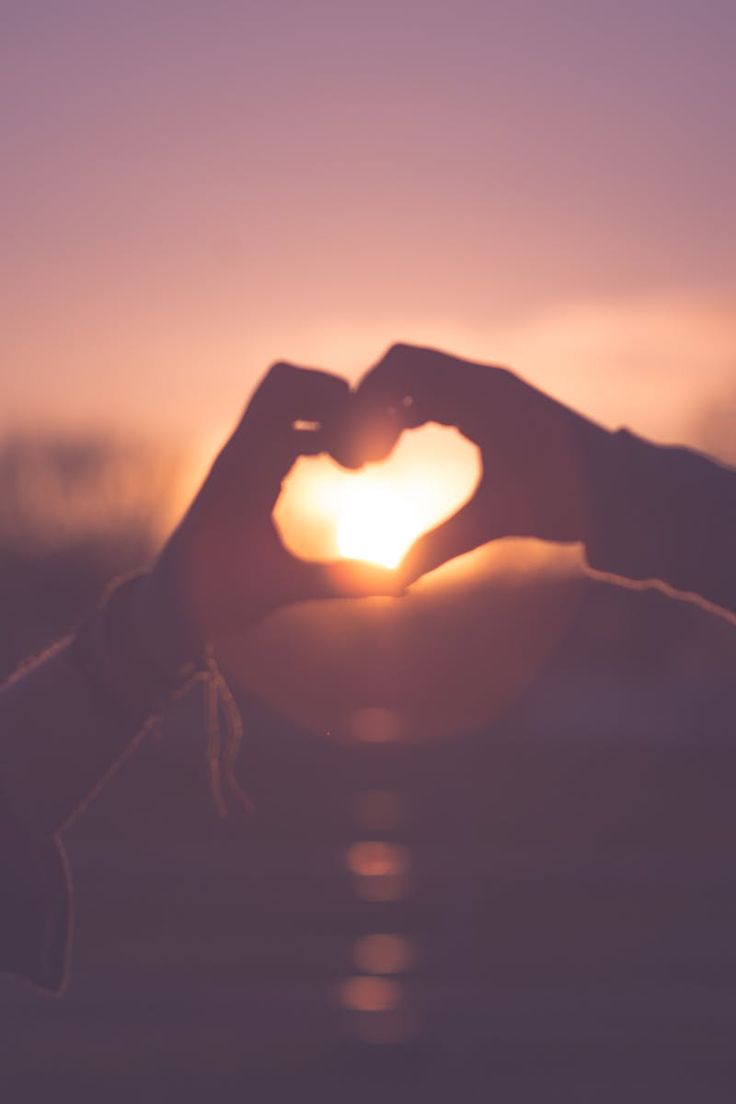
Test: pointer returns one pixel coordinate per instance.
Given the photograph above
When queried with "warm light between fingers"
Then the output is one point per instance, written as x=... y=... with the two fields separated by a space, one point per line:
x=376 y=514
x=376 y=524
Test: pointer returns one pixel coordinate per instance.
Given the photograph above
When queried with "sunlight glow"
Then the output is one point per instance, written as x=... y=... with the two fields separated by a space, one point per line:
x=377 y=524
x=376 y=514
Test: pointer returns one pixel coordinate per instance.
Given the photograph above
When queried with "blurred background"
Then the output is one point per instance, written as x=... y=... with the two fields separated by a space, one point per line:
x=531 y=890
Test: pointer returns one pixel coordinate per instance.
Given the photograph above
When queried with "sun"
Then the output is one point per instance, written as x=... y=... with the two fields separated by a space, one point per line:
x=376 y=523
x=377 y=513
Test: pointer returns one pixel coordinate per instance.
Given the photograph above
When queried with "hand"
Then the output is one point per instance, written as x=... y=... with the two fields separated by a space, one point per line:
x=532 y=482
x=226 y=566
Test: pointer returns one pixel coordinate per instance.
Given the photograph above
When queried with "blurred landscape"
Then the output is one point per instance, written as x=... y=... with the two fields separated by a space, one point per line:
x=562 y=876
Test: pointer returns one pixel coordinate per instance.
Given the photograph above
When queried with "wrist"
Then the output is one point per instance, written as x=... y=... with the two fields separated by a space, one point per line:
x=596 y=461
x=628 y=515
x=565 y=445
x=164 y=627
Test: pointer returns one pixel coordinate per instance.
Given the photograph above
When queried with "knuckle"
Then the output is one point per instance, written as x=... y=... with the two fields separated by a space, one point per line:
x=502 y=372
x=398 y=349
x=504 y=379
x=401 y=352
x=272 y=382
x=337 y=384
x=279 y=369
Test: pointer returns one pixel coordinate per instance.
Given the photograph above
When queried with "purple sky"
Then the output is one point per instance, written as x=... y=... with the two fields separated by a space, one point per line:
x=192 y=190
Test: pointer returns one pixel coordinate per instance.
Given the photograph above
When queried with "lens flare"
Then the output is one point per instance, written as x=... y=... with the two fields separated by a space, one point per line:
x=370 y=994
x=383 y=954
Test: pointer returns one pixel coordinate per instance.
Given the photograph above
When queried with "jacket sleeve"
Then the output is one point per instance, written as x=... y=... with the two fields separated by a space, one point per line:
x=661 y=513
x=35 y=903
x=67 y=720
x=57 y=745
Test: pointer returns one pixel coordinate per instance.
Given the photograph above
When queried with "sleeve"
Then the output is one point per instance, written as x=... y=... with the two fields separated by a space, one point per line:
x=60 y=738
x=36 y=904
x=67 y=720
x=662 y=513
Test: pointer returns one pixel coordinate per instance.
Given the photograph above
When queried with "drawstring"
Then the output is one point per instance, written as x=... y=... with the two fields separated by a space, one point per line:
x=223 y=746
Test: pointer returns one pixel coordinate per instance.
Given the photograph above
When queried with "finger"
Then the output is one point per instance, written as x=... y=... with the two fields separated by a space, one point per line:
x=408 y=387
x=287 y=417
x=464 y=531
x=382 y=407
x=291 y=394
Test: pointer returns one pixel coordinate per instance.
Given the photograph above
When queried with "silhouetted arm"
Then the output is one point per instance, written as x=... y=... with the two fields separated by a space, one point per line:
x=661 y=513
x=642 y=511
x=69 y=718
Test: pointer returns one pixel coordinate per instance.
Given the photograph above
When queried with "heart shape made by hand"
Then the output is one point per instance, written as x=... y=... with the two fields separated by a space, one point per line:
x=377 y=513
x=445 y=658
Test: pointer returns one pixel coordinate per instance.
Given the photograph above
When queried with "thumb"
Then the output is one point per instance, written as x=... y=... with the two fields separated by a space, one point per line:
x=459 y=534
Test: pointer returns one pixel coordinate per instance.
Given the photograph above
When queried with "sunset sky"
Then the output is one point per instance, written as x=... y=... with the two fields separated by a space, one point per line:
x=192 y=190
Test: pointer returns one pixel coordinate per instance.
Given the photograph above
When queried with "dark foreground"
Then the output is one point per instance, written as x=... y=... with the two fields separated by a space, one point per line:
x=567 y=886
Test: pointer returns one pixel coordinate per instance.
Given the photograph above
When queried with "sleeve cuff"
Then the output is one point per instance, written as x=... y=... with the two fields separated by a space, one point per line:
x=661 y=513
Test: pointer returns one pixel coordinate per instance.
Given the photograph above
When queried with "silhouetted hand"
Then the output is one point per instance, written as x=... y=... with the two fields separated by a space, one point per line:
x=226 y=563
x=532 y=482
